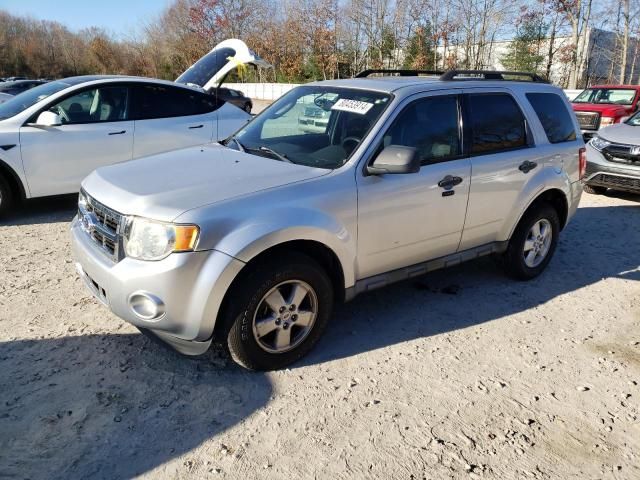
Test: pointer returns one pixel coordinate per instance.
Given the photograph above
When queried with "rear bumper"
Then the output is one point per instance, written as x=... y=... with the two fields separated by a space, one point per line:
x=189 y=287
x=603 y=173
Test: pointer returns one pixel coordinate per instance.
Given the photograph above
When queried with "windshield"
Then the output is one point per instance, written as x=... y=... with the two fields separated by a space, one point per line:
x=617 y=96
x=24 y=100
x=312 y=125
x=634 y=120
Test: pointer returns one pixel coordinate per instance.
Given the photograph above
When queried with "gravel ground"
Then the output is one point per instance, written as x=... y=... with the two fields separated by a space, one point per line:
x=462 y=374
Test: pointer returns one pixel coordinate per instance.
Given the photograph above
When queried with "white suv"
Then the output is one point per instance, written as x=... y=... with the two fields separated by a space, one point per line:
x=256 y=240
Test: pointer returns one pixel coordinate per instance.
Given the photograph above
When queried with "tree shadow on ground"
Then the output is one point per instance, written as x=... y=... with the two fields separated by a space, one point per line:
x=113 y=406
x=599 y=243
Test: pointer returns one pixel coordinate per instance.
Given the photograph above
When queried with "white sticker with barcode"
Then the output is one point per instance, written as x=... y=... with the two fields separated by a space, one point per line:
x=353 y=106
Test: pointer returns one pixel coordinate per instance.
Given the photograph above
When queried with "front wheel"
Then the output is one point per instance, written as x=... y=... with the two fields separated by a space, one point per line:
x=6 y=197
x=533 y=242
x=278 y=312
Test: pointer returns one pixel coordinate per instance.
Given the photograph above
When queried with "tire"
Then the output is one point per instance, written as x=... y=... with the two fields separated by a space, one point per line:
x=7 y=197
x=257 y=323
x=517 y=261
x=247 y=107
x=594 y=190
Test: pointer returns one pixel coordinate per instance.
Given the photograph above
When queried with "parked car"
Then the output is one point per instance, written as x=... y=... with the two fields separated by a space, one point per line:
x=613 y=158
x=54 y=135
x=19 y=86
x=254 y=243
x=603 y=105
x=235 y=97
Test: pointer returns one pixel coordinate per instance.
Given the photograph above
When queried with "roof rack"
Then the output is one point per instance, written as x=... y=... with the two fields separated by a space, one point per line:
x=491 y=75
x=402 y=73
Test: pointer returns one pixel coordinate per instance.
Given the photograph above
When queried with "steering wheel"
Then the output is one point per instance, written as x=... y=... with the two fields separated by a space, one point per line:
x=347 y=140
x=62 y=113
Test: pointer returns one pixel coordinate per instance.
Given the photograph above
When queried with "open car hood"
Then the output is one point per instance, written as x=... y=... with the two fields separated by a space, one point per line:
x=211 y=70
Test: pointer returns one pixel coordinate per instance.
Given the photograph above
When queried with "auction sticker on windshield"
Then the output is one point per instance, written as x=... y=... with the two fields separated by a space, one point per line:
x=353 y=106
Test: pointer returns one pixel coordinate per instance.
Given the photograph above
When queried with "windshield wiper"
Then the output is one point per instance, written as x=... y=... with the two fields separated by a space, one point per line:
x=271 y=151
x=237 y=142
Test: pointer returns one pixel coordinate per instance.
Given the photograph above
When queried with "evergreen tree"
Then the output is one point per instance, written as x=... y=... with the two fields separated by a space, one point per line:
x=525 y=51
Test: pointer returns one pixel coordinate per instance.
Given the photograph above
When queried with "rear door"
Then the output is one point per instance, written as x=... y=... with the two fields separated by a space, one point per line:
x=168 y=118
x=410 y=218
x=503 y=161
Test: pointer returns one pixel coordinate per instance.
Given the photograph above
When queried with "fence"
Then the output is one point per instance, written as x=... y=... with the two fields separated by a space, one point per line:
x=273 y=91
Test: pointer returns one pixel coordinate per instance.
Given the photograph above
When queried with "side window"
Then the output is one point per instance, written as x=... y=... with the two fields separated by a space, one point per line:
x=554 y=116
x=496 y=123
x=160 y=101
x=431 y=126
x=105 y=104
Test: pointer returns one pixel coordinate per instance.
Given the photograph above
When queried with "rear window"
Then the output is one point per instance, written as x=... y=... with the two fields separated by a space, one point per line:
x=497 y=124
x=554 y=116
x=160 y=101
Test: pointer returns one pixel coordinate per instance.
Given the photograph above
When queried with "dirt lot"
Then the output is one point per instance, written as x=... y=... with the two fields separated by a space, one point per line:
x=463 y=374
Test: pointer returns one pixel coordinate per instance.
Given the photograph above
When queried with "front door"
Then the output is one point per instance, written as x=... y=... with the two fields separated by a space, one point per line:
x=404 y=219
x=95 y=131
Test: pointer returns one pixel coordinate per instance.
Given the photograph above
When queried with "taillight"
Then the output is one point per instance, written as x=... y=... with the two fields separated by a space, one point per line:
x=582 y=162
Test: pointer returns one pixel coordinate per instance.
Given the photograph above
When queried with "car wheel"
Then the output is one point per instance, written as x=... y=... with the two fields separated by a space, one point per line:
x=594 y=190
x=247 y=107
x=6 y=197
x=533 y=243
x=278 y=312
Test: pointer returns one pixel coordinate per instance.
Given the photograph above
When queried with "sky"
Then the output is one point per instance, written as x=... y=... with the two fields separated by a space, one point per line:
x=119 y=17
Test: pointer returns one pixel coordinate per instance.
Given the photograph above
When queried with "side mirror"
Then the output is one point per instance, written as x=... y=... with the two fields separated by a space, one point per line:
x=48 y=119
x=395 y=159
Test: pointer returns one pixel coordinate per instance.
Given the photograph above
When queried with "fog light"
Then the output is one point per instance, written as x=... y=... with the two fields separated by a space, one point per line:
x=146 y=306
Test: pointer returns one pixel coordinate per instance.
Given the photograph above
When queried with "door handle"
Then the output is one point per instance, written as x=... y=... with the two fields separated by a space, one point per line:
x=196 y=126
x=527 y=166
x=118 y=133
x=449 y=182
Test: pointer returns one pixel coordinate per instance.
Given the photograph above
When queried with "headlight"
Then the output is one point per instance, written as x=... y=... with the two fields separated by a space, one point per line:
x=606 y=121
x=149 y=240
x=599 y=143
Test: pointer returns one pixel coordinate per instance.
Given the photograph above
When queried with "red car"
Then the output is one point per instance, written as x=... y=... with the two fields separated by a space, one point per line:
x=603 y=105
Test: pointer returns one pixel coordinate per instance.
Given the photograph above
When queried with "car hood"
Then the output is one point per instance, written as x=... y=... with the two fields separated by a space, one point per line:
x=606 y=109
x=621 y=133
x=165 y=186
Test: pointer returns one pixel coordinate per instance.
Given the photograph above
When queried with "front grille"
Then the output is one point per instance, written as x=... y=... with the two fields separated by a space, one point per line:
x=614 y=181
x=588 y=120
x=620 y=153
x=103 y=225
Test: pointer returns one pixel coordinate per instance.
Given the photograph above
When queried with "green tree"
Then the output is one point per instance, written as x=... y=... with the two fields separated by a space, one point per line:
x=524 y=51
x=420 y=51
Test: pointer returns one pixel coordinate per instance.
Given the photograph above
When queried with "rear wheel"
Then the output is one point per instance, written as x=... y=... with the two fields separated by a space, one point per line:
x=278 y=312
x=533 y=242
x=6 y=197
x=594 y=190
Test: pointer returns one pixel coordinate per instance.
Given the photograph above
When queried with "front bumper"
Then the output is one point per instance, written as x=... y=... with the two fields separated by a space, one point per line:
x=603 y=173
x=191 y=287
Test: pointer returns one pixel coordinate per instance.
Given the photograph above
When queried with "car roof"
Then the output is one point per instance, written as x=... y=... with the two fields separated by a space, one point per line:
x=624 y=87
x=82 y=79
x=390 y=84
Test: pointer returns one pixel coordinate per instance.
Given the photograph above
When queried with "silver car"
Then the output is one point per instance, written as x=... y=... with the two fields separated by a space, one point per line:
x=252 y=242
x=613 y=158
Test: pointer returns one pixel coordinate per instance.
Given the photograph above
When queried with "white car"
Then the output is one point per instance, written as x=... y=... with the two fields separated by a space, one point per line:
x=54 y=135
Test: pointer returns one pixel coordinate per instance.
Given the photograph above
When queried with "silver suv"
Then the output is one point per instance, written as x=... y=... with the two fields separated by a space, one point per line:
x=252 y=242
